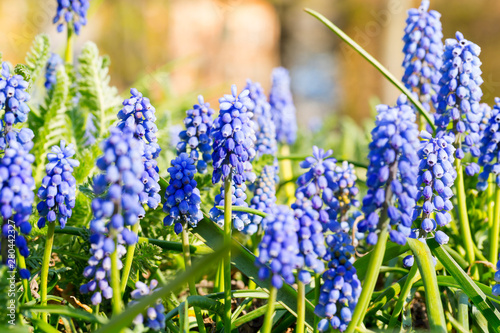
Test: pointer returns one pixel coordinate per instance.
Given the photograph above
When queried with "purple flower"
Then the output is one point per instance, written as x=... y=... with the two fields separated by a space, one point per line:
x=264 y=197
x=51 y=69
x=282 y=107
x=71 y=12
x=154 y=316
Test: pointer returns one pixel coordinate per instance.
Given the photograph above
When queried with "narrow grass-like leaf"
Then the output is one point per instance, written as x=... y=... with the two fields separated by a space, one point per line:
x=65 y=311
x=384 y=71
x=477 y=296
x=245 y=210
x=392 y=251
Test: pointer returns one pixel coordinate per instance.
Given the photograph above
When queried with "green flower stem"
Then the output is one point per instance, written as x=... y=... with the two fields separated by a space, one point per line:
x=495 y=229
x=463 y=309
x=227 y=258
x=384 y=71
x=413 y=276
x=21 y=263
x=115 y=282
x=268 y=320
x=286 y=167
x=317 y=292
x=128 y=260
x=491 y=201
x=423 y=258
x=244 y=209
x=44 y=275
x=301 y=307
x=192 y=286
x=68 y=54
x=463 y=217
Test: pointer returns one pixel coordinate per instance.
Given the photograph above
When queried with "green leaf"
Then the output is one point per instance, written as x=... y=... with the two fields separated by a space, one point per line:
x=37 y=58
x=384 y=71
x=66 y=311
x=87 y=158
x=392 y=251
x=244 y=260
x=24 y=71
x=97 y=96
x=477 y=296
x=201 y=302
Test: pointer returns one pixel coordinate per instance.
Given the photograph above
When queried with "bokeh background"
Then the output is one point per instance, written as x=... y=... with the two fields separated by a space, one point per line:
x=177 y=49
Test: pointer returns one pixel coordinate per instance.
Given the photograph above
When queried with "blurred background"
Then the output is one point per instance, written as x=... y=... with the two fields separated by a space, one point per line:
x=177 y=49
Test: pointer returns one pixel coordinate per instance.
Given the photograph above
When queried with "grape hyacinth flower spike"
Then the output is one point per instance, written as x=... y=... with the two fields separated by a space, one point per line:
x=50 y=70
x=347 y=191
x=282 y=107
x=264 y=197
x=182 y=197
x=392 y=173
x=423 y=51
x=490 y=148
x=73 y=13
x=196 y=138
x=154 y=316
x=58 y=189
x=138 y=115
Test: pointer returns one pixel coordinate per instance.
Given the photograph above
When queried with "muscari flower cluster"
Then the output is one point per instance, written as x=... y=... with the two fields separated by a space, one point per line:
x=72 y=12
x=154 y=316
x=116 y=207
x=138 y=115
x=346 y=192
x=496 y=288
x=460 y=94
x=58 y=189
x=423 y=50
x=435 y=178
x=182 y=197
x=314 y=196
x=490 y=148
x=282 y=107
x=51 y=70
x=196 y=137
x=392 y=172
x=233 y=136
x=279 y=247
x=486 y=116
x=264 y=197
x=341 y=287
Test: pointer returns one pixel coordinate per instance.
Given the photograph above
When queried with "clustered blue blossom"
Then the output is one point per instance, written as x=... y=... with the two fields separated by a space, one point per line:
x=314 y=197
x=234 y=138
x=51 y=70
x=279 y=247
x=392 y=172
x=72 y=12
x=138 y=115
x=483 y=124
x=13 y=99
x=346 y=192
x=460 y=94
x=117 y=206
x=263 y=124
x=154 y=316
x=58 y=189
x=490 y=148
x=264 y=197
x=341 y=287
x=196 y=137
x=282 y=107
x=241 y=220
x=182 y=197
x=423 y=51
x=496 y=287
x=90 y=129
x=436 y=176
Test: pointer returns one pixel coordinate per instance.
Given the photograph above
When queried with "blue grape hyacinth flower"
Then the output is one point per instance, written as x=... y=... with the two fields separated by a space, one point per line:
x=13 y=99
x=138 y=116
x=182 y=197
x=435 y=178
x=196 y=138
x=264 y=197
x=460 y=94
x=51 y=69
x=115 y=208
x=341 y=287
x=423 y=51
x=490 y=148
x=496 y=287
x=58 y=189
x=154 y=316
x=279 y=248
x=71 y=12
x=346 y=192
x=392 y=172
x=282 y=107
x=241 y=220
x=234 y=138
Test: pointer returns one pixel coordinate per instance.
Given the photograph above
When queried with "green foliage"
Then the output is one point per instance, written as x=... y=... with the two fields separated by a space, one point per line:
x=87 y=158
x=36 y=60
x=146 y=257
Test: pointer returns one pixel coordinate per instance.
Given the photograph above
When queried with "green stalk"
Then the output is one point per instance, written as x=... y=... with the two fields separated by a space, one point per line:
x=115 y=282
x=286 y=166
x=301 y=307
x=227 y=258
x=44 y=275
x=491 y=201
x=495 y=229
x=21 y=263
x=68 y=54
x=423 y=258
x=128 y=260
x=463 y=217
x=268 y=320
x=463 y=309
x=317 y=292
x=413 y=276
x=192 y=286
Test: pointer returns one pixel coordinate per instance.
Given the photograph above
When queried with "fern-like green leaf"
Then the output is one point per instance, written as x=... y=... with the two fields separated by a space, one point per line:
x=96 y=95
x=37 y=58
x=87 y=158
